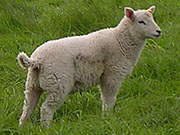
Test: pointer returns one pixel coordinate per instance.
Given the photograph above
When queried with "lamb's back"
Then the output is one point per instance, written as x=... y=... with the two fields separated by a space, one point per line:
x=92 y=46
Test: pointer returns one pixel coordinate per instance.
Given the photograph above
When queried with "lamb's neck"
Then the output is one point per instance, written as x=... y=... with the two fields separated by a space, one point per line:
x=129 y=44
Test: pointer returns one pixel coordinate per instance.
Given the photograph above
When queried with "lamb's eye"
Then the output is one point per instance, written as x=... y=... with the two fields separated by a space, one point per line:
x=142 y=22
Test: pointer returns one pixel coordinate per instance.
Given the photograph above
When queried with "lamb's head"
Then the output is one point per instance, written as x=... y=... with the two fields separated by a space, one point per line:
x=142 y=22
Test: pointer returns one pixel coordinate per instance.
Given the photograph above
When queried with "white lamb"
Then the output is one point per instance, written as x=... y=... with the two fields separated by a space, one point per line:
x=104 y=58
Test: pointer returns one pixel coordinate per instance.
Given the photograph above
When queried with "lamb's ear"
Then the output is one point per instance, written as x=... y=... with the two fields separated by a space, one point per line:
x=152 y=9
x=129 y=13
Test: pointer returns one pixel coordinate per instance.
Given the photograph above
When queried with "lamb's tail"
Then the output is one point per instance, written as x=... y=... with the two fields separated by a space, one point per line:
x=25 y=62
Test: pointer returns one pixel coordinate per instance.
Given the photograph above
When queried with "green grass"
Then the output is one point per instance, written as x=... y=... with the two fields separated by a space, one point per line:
x=148 y=102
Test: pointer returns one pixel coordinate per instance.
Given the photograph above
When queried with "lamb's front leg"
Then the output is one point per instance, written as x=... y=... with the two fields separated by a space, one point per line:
x=108 y=101
x=109 y=88
x=108 y=97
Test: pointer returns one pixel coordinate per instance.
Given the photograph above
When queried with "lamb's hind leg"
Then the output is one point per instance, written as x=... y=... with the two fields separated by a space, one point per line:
x=32 y=95
x=51 y=103
x=55 y=97
x=30 y=102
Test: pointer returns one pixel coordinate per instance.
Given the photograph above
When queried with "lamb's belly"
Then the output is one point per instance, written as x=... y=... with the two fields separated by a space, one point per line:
x=87 y=77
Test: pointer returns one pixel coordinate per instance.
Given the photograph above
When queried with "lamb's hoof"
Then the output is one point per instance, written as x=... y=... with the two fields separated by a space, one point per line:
x=45 y=124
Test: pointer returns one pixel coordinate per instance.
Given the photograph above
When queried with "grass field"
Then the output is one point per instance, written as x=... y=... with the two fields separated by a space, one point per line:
x=148 y=102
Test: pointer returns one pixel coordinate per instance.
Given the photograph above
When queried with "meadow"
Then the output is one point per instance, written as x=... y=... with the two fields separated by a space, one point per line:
x=148 y=102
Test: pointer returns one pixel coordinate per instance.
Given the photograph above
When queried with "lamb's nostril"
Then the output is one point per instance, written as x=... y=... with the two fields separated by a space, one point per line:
x=158 y=31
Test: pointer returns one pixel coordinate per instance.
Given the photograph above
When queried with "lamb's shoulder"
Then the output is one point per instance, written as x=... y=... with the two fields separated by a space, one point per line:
x=122 y=56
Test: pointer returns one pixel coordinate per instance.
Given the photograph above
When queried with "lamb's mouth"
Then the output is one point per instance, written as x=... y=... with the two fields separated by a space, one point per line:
x=158 y=35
